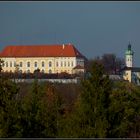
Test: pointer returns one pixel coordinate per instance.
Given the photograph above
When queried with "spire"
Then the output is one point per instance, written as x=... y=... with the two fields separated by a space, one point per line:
x=129 y=46
x=129 y=51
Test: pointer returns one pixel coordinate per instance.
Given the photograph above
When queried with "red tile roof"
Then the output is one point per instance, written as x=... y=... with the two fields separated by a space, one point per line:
x=67 y=50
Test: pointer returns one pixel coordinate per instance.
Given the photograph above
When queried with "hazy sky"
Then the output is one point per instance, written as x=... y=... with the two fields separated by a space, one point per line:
x=94 y=28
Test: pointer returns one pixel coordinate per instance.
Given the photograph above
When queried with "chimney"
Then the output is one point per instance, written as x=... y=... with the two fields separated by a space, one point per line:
x=63 y=46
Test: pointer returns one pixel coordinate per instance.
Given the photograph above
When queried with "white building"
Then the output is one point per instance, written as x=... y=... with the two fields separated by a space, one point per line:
x=130 y=73
x=46 y=58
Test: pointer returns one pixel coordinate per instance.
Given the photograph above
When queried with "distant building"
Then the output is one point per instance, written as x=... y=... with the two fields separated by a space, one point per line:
x=130 y=73
x=46 y=58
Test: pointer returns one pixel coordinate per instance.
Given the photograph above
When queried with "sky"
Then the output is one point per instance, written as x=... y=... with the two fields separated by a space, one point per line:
x=93 y=27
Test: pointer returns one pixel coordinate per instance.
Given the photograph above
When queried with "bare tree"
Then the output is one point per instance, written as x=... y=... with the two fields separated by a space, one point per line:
x=111 y=63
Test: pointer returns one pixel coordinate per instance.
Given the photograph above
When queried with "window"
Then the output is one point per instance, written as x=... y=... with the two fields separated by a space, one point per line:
x=14 y=64
x=50 y=71
x=72 y=63
x=50 y=64
x=28 y=71
x=65 y=64
x=20 y=64
x=20 y=71
x=68 y=64
x=43 y=64
x=6 y=64
x=28 y=64
x=56 y=64
x=61 y=64
x=35 y=64
x=42 y=71
x=10 y=64
x=3 y=64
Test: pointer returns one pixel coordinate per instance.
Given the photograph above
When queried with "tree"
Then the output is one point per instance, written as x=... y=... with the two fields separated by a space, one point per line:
x=111 y=63
x=124 y=111
x=8 y=108
x=90 y=118
x=40 y=112
x=90 y=62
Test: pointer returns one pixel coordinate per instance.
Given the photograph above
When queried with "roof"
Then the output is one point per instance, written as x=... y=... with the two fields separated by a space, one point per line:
x=133 y=69
x=115 y=77
x=78 y=67
x=67 y=50
x=129 y=51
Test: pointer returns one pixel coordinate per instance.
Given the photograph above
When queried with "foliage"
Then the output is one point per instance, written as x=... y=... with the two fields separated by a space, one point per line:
x=90 y=118
x=100 y=109
x=8 y=108
x=34 y=115
x=124 y=110
x=112 y=64
x=40 y=112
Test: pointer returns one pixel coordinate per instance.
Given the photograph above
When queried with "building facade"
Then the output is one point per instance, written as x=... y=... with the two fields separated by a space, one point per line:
x=128 y=63
x=46 y=58
x=130 y=73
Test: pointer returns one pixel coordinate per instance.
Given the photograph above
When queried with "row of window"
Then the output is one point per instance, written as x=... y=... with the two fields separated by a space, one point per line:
x=42 y=64
x=129 y=59
x=43 y=71
x=28 y=71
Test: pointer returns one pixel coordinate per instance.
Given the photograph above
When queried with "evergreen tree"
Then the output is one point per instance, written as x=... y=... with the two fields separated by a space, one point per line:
x=124 y=116
x=8 y=108
x=90 y=119
x=40 y=112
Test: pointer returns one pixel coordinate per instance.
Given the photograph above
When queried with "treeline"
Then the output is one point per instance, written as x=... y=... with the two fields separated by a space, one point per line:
x=39 y=75
x=112 y=64
x=98 y=108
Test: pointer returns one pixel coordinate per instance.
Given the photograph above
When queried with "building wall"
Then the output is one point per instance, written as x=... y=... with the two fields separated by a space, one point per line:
x=127 y=75
x=129 y=60
x=80 y=61
x=58 y=64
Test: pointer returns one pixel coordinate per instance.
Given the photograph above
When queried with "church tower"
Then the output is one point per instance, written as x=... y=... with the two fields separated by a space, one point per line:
x=129 y=56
